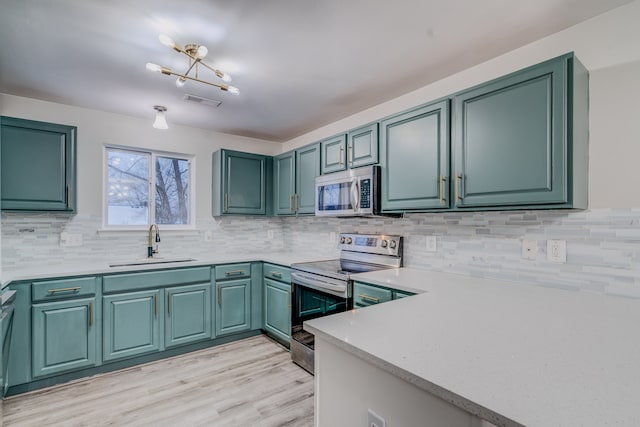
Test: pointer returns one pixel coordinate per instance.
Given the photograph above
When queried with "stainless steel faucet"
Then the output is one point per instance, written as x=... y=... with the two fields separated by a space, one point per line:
x=150 y=250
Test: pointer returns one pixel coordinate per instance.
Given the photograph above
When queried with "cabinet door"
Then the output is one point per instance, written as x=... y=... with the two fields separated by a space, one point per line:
x=64 y=336
x=187 y=314
x=414 y=156
x=334 y=154
x=277 y=309
x=366 y=295
x=307 y=169
x=284 y=183
x=131 y=324
x=362 y=146
x=233 y=306
x=38 y=165
x=244 y=183
x=510 y=139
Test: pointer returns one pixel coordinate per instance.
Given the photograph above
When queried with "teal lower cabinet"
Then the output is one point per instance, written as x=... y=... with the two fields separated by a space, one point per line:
x=187 y=314
x=400 y=294
x=277 y=309
x=233 y=306
x=131 y=324
x=365 y=294
x=64 y=336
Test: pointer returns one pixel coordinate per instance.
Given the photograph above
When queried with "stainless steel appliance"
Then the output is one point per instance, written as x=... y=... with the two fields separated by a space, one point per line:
x=6 y=323
x=354 y=192
x=325 y=287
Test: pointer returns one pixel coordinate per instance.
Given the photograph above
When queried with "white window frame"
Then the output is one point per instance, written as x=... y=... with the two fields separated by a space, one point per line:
x=190 y=158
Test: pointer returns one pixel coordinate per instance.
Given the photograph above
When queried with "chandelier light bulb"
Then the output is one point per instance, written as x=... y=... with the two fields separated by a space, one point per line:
x=224 y=76
x=202 y=52
x=153 y=67
x=180 y=81
x=167 y=41
x=234 y=90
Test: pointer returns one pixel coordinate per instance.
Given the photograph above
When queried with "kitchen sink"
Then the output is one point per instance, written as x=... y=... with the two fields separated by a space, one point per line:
x=150 y=261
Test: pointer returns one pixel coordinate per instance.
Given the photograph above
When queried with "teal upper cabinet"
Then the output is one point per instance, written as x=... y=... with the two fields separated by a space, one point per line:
x=187 y=314
x=334 y=154
x=240 y=183
x=362 y=146
x=521 y=140
x=38 y=165
x=294 y=180
x=414 y=156
x=358 y=148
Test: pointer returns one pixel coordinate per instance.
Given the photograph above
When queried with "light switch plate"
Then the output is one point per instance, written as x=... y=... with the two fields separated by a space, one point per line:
x=69 y=239
x=432 y=244
x=270 y=234
x=208 y=236
x=557 y=251
x=529 y=249
x=375 y=420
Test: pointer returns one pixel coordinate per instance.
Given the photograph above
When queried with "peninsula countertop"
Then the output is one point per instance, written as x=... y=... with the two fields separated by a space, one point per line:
x=510 y=353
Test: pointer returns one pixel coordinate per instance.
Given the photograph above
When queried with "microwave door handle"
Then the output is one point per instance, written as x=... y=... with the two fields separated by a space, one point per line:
x=355 y=195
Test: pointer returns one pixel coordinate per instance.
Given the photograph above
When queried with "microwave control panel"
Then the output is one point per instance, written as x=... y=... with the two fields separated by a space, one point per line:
x=365 y=193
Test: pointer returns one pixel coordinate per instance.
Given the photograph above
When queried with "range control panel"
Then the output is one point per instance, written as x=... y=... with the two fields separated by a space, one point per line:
x=384 y=244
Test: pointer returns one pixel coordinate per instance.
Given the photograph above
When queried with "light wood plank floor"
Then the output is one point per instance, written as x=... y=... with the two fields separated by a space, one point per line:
x=246 y=383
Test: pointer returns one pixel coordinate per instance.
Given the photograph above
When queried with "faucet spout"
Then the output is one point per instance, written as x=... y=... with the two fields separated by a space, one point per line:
x=150 y=250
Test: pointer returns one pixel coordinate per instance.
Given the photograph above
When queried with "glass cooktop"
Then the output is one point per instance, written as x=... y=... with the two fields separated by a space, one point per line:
x=337 y=269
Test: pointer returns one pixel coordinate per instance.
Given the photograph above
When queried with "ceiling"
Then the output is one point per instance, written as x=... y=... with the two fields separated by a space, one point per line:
x=299 y=64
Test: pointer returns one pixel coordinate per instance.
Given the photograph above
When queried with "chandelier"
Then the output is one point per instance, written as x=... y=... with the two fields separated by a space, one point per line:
x=196 y=53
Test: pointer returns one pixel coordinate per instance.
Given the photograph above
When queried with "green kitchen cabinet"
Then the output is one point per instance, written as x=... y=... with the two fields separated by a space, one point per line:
x=521 y=140
x=277 y=302
x=233 y=306
x=131 y=324
x=240 y=183
x=365 y=295
x=359 y=147
x=187 y=314
x=38 y=163
x=64 y=336
x=295 y=173
x=414 y=158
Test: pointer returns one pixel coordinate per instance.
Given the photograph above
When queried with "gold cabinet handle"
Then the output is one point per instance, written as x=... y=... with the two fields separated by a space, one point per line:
x=296 y=202
x=53 y=291
x=155 y=304
x=68 y=196
x=291 y=202
x=90 y=314
x=341 y=154
x=168 y=302
x=226 y=202
x=458 y=181
x=234 y=272
x=442 y=180
x=369 y=298
x=349 y=155
x=276 y=274
x=219 y=296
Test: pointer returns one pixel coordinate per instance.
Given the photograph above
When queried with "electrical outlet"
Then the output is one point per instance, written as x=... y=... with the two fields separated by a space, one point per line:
x=69 y=239
x=208 y=236
x=332 y=236
x=375 y=420
x=557 y=251
x=270 y=234
x=432 y=244
x=529 y=249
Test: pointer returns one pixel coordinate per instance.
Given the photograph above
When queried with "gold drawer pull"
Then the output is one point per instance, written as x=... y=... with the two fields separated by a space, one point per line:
x=442 y=180
x=226 y=202
x=458 y=181
x=90 y=314
x=369 y=298
x=219 y=297
x=155 y=304
x=276 y=274
x=234 y=272
x=168 y=302
x=290 y=202
x=341 y=156
x=53 y=291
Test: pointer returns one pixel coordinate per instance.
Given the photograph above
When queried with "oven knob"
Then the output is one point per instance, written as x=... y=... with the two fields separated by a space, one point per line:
x=342 y=239
x=349 y=240
x=384 y=243
x=392 y=245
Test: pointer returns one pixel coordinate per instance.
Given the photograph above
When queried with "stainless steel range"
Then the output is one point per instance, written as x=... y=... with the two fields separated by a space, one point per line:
x=325 y=287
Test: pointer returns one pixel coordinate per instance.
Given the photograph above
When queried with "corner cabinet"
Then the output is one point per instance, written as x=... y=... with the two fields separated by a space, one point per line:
x=414 y=158
x=240 y=183
x=521 y=140
x=38 y=162
x=294 y=179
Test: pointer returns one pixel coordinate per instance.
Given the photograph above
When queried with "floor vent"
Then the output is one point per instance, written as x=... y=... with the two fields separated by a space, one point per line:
x=201 y=100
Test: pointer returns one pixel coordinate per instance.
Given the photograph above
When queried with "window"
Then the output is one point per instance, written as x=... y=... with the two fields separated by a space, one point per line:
x=146 y=187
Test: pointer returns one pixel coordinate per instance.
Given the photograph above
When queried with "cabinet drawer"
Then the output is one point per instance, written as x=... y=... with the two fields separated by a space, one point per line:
x=155 y=279
x=402 y=294
x=66 y=288
x=365 y=295
x=233 y=271
x=277 y=272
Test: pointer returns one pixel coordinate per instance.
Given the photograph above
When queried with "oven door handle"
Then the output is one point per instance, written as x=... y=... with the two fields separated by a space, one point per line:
x=355 y=195
x=318 y=284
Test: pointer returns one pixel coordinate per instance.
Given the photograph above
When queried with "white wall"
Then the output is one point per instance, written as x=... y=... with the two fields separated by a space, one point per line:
x=609 y=47
x=97 y=128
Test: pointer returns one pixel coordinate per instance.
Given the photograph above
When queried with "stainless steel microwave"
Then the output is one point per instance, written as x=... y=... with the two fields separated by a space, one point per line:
x=354 y=192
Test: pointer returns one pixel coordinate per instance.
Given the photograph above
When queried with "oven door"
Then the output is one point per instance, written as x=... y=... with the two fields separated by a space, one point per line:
x=309 y=303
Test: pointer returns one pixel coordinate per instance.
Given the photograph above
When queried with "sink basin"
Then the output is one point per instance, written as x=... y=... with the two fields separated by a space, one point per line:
x=150 y=261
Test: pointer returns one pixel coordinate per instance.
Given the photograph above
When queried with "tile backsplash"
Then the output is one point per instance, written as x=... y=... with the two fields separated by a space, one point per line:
x=603 y=246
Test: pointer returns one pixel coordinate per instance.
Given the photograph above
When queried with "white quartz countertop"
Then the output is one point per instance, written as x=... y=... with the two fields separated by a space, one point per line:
x=74 y=268
x=509 y=353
